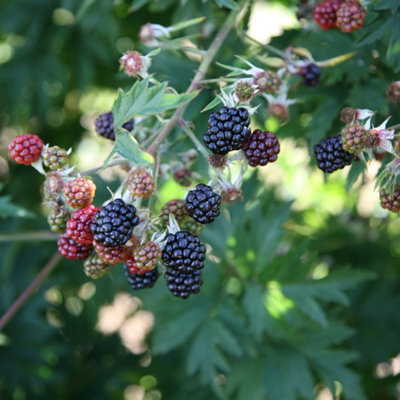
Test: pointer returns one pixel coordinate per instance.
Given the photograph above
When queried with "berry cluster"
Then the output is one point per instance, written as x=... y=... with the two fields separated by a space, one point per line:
x=104 y=125
x=348 y=15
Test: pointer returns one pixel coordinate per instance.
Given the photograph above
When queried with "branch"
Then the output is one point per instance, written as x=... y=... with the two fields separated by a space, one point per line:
x=28 y=236
x=205 y=64
x=29 y=290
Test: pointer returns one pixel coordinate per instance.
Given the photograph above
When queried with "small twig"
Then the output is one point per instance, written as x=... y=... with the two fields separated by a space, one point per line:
x=267 y=47
x=397 y=126
x=194 y=139
x=204 y=65
x=29 y=290
x=28 y=236
x=111 y=164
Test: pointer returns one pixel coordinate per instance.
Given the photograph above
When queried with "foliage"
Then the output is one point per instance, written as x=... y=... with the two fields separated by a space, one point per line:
x=298 y=296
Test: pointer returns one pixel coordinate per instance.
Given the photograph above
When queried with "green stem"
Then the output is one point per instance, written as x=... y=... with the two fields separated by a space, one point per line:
x=92 y=171
x=201 y=72
x=193 y=138
x=29 y=290
x=34 y=236
x=397 y=126
x=267 y=47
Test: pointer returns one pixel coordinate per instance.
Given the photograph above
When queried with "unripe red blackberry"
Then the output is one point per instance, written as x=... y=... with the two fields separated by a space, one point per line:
x=311 y=74
x=390 y=201
x=353 y=138
x=113 y=224
x=71 y=249
x=111 y=255
x=54 y=157
x=330 y=155
x=25 y=149
x=141 y=183
x=227 y=130
x=182 y=284
x=267 y=81
x=202 y=204
x=58 y=218
x=104 y=125
x=325 y=13
x=79 y=192
x=95 y=267
x=144 y=280
x=78 y=226
x=147 y=255
x=393 y=92
x=261 y=148
x=278 y=111
x=184 y=252
x=183 y=176
x=350 y=16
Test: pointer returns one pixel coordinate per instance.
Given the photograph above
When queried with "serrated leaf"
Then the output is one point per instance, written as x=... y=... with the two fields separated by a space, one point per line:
x=143 y=99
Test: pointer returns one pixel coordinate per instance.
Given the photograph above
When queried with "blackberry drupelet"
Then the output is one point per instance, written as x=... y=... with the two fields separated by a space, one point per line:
x=311 y=74
x=330 y=154
x=105 y=125
x=141 y=281
x=261 y=148
x=79 y=192
x=390 y=201
x=26 y=149
x=353 y=138
x=184 y=252
x=114 y=223
x=325 y=13
x=182 y=284
x=78 y=226
x=227 y=130
x=95 y=267
x=72 y=250
x=350 y=16
x=202 y=204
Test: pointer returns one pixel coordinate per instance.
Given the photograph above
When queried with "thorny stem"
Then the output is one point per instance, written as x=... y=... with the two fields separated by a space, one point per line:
x=29 y=290
x=28 y=236
x=204 y=65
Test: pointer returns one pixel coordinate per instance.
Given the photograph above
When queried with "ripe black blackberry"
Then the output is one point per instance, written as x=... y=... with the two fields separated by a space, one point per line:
x=227 y=130
x=105 y=125
x=113 y=223
x=182 y=284
x=202 y=204
x=330 y=154
x=184 y=252
x=311 y=74
x=141 y=281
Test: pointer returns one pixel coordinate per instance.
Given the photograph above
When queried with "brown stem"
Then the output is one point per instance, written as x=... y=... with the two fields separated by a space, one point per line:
x=199 y=76
x=29 y=290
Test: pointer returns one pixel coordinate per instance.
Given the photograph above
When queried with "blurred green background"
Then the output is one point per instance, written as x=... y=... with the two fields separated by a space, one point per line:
x=301 y=296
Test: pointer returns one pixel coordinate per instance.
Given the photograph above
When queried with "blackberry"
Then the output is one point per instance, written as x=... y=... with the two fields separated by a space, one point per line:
x=244 y=91
x=183 y=176
x=393 y=92
x=390 y=201
x=348 y=115
x=52 y=187
x=71 y=249
x=147 y=255
x=114 y=223
x=330 y=155
x=261 y=148
x=227 y=130
x=79 y=192
x=202 y=204
x=105 y=125
x=58 y=218
x=184 y=252
x=54 y=157
x=111 y=255
x=278 y=111
x=95 y=267
x=26 y=149
x=267 y=81
x=182 y=284
x=78 y=226
x=141 y=281
x=311 y=74
x=325 y=13
x=350 y=16
x=353 y=138
x=141 y=183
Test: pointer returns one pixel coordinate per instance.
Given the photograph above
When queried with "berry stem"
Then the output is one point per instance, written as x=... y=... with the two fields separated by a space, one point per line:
x=92 y=171
x=397 y=126
x=201 y=72
x=33 y=236
x=192 y=136
x=29 y=290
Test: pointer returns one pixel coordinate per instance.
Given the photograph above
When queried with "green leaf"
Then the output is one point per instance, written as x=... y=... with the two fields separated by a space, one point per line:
x=143 y=99
x=214 y=103
x=137 y=4
x=227 y=3
x=9 y=209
